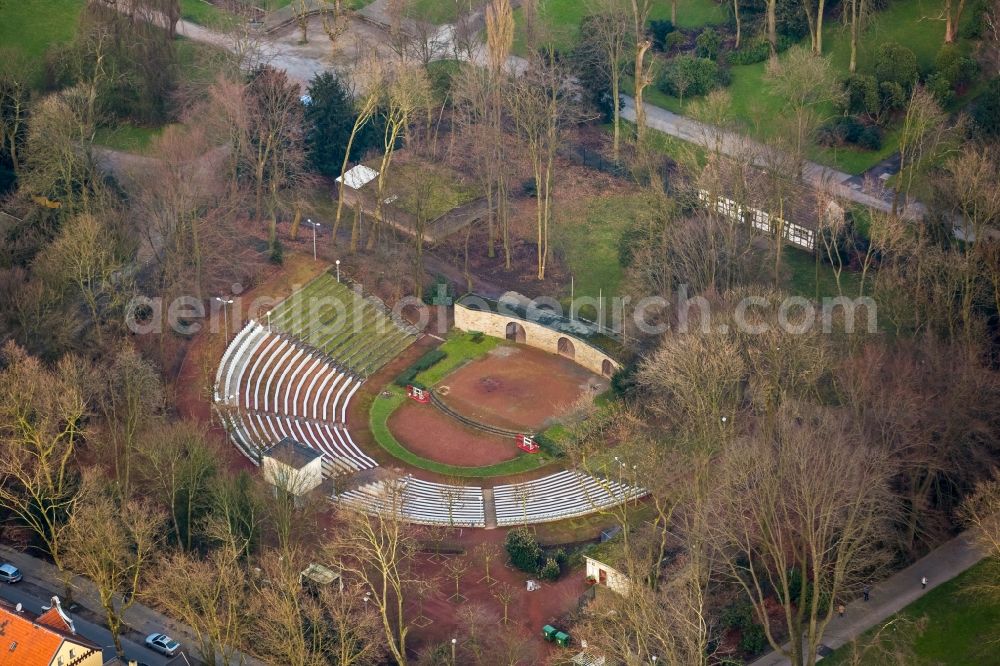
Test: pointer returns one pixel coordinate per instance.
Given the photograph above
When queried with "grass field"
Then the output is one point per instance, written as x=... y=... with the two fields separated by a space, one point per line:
x=961 y=628
x=127 y=137
x=587 y=235
x=909 y=22
x=564 y=17
x=24 y=30
x=460 y=349
x=382 y=407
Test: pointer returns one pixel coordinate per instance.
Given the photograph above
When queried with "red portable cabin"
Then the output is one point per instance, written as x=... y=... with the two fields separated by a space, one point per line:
x=421 y=395
x=527 y=444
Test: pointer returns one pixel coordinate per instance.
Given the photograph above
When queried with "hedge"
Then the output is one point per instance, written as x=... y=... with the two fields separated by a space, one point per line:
x=428 y=360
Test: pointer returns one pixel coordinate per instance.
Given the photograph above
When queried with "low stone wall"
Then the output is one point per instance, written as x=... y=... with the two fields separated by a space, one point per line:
x=510 y=326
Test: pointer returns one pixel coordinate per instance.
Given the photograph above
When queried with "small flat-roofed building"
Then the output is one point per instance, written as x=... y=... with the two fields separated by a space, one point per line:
x=604 y=565
x=317 y=576
x=292 y=467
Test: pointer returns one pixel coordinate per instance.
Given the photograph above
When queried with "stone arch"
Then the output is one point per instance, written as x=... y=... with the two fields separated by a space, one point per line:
x=607 y=369
x=515 y=332
x=565 y=348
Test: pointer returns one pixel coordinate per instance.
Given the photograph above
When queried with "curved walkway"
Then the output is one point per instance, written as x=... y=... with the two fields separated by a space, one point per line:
x=895 y=593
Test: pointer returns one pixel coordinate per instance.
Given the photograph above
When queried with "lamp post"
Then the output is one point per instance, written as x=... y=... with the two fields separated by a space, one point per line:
x=268 y=321
x=314 y=225
x=454 y=641
x=225 y=311
x=338 y=269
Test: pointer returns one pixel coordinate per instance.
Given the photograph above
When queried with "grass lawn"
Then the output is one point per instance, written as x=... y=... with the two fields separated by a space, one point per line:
x=29 y=27
x=460 y=349
x=564 y=17
x=127 y=137
x=587 y=235
x=908 y=22
x=801 y=276
x=440 y=11
x=207 y=14
x=382 y=407
x=961 y=627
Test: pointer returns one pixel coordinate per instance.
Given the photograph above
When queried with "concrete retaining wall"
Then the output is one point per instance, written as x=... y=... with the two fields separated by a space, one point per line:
x=535 y=335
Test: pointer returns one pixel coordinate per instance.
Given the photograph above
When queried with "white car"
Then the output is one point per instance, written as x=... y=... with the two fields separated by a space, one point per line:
x=163 y=644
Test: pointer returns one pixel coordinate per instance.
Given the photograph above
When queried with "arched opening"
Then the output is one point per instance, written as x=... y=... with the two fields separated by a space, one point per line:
x=565 y=348
x=515 y=332
x=606 y=368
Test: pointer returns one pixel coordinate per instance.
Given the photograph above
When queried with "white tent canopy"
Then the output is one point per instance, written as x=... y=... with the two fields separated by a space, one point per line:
x=359 y=176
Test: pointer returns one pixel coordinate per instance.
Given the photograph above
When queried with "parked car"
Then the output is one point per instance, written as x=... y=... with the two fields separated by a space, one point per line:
x=163 y=644
x=9 y=573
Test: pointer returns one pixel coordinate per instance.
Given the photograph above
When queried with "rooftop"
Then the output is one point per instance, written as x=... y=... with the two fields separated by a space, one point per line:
x=30 y=640
x=291 y=453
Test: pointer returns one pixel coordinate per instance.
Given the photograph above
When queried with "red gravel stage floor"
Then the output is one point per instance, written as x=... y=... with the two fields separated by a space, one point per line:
x=518 y=387
x=431 y=434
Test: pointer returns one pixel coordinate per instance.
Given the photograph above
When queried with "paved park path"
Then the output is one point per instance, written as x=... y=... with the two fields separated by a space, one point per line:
x=840 y=184
x=895 y=593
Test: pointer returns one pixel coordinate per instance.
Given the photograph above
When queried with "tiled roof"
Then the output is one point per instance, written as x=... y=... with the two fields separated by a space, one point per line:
x=26 y=640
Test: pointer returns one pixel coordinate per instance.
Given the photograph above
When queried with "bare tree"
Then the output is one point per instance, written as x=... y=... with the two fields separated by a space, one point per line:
x=504 y=594
x=378 y=549
x=113 y=545
x=952 y=19
x=15 y=95
x=456 y=568
x=921 y=138
x=802 y=516
x=41 y=415
x=487 y=552
x=642 y=71
x=612 y=33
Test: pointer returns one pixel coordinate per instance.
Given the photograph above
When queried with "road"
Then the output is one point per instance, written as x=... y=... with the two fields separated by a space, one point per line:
x=33 y=599
x=894 y=593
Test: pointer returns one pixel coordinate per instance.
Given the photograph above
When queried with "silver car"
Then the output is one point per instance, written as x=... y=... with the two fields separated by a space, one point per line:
x=163 y=644
x=9 y=573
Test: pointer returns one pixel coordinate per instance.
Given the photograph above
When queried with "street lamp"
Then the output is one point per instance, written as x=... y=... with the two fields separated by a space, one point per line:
x=314 y=225
x=225 y=311
x=268 y=321
x=453 y=642
x=338 y=269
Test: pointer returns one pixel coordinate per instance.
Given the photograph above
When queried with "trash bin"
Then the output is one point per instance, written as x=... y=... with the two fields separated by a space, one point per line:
x=562 y=638
x=549 y=632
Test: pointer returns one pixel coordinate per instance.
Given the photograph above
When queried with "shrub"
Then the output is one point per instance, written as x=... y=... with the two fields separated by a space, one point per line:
x=425 y=362
x=959 y=69
x=940 y=87
x=752 y=639
x=870 y=138
x=688 y=76
x=862 y=95
x=986 y=110
x=658 y=31
x=891 y=96
x=708 y=44
x=674 y=40
x=894 y=62
x=759 y=50
x=550 y=570
x=737 y=616
x=277 y=255
x=523 y=549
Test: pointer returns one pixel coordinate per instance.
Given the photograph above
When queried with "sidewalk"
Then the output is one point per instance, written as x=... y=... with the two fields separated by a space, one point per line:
x=140 y=620
x=895 y=593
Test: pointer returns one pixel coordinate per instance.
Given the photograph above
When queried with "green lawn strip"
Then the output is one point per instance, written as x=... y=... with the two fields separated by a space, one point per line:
x=206 y=14
x=436 y=11
x=961 y=626
x=460 y=349
x=564 y=18
x=383 y=407
x=127 y=137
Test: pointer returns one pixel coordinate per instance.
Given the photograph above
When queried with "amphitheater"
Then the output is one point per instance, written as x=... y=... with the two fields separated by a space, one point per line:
x=294 y=376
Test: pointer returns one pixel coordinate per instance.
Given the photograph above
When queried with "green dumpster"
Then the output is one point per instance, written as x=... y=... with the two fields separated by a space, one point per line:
x=549 y=632
x=562 y=638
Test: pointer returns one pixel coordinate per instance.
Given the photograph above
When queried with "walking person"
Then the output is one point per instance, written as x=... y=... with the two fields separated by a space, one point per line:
x=866 y=591
x=840 y=610
x=923 y=583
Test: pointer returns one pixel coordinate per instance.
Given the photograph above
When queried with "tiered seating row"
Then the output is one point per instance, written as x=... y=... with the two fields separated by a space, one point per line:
x=422 y=502
x=562 y=495
x=274 y=389
x=359 y=332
